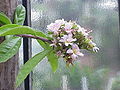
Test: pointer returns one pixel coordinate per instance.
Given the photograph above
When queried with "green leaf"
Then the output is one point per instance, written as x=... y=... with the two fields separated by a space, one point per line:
x=53 y=60
x=19 y=15
x=4 y=19
x=13 y=29
x=41 y=34
x=9 y=48
x=8 y=26
x=29 y=65
x=45 y=45
x=52 y=57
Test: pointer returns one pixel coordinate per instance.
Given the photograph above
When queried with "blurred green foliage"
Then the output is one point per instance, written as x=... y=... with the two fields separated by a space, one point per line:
x=116 y=83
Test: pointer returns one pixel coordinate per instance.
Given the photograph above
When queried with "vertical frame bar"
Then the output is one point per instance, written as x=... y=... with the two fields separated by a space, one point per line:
x=119 y=10
x=27 y=43
x=119 y=21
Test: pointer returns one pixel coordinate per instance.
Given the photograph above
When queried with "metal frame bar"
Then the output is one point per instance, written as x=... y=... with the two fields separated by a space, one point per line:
x=119 y=21
x=27 y=43
x=119 y=10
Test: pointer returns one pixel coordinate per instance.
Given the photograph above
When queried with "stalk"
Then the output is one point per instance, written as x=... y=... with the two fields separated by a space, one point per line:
x=35 y=37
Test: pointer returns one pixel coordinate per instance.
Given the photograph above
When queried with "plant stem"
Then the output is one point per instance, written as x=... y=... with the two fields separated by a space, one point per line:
x=35 y=37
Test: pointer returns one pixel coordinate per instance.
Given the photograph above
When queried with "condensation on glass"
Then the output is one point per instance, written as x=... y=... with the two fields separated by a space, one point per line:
x=21 y=54
x=99 y=71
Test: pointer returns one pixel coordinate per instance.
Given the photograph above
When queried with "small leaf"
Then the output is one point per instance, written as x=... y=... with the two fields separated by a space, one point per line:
x=4 y=19
x=19 y=15
x=29 y=65
x=53 y=60
x=13 y=29
x=9 y=48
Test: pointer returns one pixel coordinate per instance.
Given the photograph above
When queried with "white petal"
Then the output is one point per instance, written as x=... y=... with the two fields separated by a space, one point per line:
x=62 y=40
x=68 y=25
x=74 y=56
x=66 y=44
x=91 y=42
x=60 y=21
x=95 y=49
x=74 y=39
x=69 y=51
x=75 y=46
x=71 y=43
x=80 y=54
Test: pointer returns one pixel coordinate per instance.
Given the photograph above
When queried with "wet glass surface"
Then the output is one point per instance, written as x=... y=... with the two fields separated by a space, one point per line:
x=98 y=71
x=21 y=54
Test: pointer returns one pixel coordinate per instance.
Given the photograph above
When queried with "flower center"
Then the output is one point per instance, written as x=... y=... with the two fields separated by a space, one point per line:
x=67 y=42
x=74 y=51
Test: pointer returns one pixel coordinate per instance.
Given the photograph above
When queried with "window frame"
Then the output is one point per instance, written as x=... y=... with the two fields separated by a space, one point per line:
x=27 y=47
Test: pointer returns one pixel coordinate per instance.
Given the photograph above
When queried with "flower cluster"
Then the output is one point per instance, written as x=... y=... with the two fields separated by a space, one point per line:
x=69 y=39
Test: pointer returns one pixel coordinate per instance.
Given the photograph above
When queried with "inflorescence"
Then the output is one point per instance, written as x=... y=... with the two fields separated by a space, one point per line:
x=69 y=38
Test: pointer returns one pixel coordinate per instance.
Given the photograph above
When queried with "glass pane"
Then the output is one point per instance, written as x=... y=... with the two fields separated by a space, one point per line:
x=21 y=61
x=94 y=71
x=21 y=55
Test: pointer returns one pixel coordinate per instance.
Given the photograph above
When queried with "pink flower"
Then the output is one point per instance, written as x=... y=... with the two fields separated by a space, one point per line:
x=91 y=42
x=67 y=39
x=60 y=22
x=54 y=42
x=82 y=30
x=69 y=30
x=54 y=27
x=75 y=51
x=95 y=49
x=68 y=25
